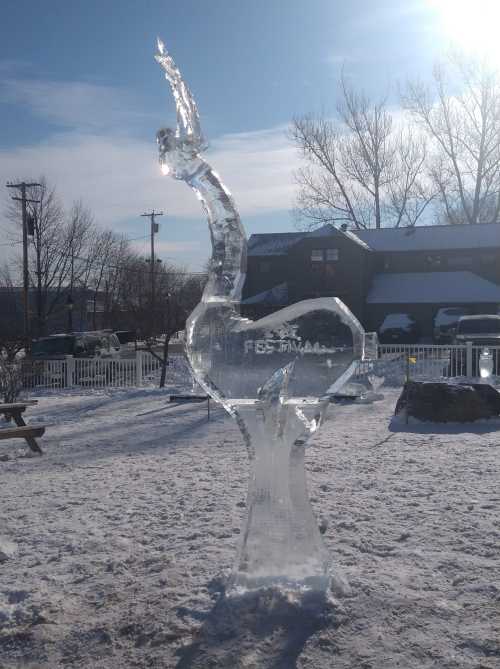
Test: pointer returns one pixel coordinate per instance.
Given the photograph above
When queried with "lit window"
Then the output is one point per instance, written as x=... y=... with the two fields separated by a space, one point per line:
x=317 y=255
x=332 y=255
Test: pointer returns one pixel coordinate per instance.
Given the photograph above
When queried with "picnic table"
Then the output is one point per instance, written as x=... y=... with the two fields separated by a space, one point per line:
x=22 y=431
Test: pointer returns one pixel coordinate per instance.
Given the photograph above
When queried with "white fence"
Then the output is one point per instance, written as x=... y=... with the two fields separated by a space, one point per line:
x=426 y=362
x=90 y=372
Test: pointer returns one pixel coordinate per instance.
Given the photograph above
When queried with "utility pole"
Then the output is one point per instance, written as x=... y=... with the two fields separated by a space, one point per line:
x=154 y=229
x=24 y=200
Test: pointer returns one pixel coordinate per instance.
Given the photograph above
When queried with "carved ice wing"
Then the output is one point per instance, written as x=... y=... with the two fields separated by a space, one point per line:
x=188 y=119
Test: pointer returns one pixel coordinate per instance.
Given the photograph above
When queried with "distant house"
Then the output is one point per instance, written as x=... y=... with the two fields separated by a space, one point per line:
x=376 y=272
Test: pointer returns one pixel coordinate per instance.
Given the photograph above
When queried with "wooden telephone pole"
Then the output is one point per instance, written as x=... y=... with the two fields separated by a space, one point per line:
x=24 y=200
x=154 y=229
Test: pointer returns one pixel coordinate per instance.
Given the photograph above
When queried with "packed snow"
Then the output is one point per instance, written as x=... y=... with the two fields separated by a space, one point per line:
x=115 y=543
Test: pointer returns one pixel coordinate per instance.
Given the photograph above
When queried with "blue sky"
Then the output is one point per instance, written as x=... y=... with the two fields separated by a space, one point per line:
x=81 y=97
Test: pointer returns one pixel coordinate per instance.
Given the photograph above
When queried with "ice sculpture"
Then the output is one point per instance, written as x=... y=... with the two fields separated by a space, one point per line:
x=271 y=375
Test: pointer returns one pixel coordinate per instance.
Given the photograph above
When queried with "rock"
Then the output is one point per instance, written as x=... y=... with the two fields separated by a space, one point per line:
x=448 y=402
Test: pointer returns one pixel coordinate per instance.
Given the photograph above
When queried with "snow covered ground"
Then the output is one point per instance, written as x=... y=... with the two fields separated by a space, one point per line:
x=114 y=543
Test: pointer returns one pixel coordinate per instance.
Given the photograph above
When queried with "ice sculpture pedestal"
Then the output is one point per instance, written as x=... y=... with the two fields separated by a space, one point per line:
x=281 y=544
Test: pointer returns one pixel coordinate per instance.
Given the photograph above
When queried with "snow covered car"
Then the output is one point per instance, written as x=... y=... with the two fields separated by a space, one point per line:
x=445 y=323
x=398 y=329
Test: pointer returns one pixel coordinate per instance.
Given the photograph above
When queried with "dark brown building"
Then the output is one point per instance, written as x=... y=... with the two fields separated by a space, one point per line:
x=376 y=272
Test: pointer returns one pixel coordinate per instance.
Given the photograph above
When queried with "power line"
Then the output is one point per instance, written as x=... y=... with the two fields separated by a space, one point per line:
x=127 y=267
x=10 y=243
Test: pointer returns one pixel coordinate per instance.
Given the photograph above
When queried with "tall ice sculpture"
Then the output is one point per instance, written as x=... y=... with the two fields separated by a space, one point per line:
x=272 y=375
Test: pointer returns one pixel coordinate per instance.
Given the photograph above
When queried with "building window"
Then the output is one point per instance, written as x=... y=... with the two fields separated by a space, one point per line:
x=332 y=255
x=434 y=261
x=317 y=255
x=264 y=266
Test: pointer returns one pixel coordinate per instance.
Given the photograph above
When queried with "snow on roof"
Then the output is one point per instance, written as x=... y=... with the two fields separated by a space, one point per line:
x=278 y=243
x=355 y=238
x=431 y=288
x=277 y=296
x=432 y=237
x=274 y=244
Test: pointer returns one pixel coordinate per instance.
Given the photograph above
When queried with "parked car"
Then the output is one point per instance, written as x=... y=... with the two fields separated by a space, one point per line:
x=483 y=332
x=480 y=329
x=398 y=328
x=445 y=323
x=44 y=366
x=79 y=344
x=126 y=336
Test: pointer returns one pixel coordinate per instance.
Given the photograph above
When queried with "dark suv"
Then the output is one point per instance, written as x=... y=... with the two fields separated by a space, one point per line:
x=483 y=332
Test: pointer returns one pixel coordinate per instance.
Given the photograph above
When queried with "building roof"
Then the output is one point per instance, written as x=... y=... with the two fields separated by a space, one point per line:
x=432 y=288
x=432 y=237
x=276 y=296
x=279 y=243
x=273 y=244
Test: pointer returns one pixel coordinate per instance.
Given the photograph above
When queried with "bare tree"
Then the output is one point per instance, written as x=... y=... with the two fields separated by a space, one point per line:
x=176 y=294
x=179 y=293
x=360 y=168
x=460 y=114
x=12 y=338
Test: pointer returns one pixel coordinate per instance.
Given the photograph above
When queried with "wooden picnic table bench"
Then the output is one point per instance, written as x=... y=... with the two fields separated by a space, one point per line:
x=22 y=431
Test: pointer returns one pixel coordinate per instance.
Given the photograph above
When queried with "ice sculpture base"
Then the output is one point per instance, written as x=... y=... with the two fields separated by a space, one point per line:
x=281 y=543
x=240 y=583
x=330 y=585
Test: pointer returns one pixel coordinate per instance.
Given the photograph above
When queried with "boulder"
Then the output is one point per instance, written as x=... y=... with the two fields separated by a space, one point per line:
x=448 y=402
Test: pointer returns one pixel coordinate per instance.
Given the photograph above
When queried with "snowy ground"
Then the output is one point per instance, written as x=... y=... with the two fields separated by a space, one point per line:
x=112 y=545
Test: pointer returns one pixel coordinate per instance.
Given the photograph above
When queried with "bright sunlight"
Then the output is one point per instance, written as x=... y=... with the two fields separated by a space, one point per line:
x=472 y=26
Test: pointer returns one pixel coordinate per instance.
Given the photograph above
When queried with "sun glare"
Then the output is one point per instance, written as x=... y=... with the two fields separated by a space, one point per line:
x=471 y=26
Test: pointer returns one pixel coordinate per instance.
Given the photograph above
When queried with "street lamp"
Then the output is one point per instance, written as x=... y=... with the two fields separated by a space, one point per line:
x=69 y=306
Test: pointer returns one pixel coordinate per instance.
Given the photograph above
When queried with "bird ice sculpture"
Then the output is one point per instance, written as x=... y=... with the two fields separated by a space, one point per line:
x=271 y=375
